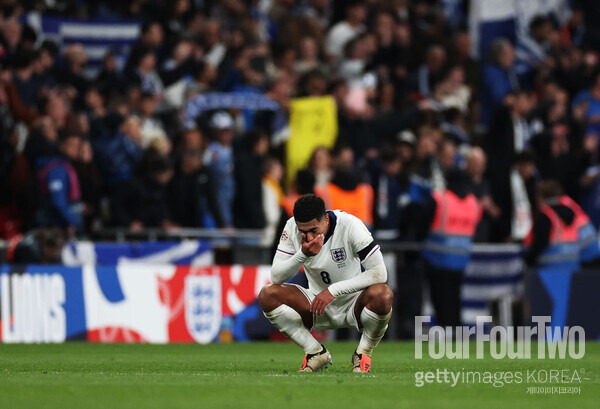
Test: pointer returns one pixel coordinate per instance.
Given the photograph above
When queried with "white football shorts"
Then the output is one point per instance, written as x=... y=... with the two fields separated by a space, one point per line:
x=338 y=314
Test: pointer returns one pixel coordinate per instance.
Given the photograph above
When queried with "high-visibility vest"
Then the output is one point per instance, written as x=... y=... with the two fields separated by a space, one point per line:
x=589 y=248
x=448 y=245
x=358 y=202
x=288 y=203
x=562 y=252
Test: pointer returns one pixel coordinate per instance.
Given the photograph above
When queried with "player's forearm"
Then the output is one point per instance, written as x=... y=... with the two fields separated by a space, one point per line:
x=286 y=265
x=375 y=273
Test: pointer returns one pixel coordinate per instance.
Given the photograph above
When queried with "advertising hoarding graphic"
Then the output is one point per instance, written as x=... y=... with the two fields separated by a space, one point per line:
x=203 y=307
x=184 y=252
x=126 y=303
x=160 y=303
x=239 y=287
x=40 y=304
x=123 y=303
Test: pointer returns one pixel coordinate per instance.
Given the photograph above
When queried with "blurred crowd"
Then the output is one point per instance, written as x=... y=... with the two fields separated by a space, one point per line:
x=113 y=149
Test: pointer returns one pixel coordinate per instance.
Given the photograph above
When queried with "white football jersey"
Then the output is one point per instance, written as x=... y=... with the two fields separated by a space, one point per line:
x=339 y=258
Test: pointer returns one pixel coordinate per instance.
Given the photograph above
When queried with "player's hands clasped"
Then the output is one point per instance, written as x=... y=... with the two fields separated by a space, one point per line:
x=312 y=248
x=320 y=302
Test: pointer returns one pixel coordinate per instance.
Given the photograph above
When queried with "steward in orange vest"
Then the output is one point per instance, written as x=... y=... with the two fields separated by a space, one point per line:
x=448 y=245
x=553 y=241
x=589 y=248
x=344 y=193
x=447 y=220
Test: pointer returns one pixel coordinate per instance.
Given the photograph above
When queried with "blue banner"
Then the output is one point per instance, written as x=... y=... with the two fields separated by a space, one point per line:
x=41 y=304
x=185 y=252
x=493 y=272
x=97 y=36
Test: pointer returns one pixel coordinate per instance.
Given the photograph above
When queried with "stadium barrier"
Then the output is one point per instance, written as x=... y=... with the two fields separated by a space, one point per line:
x=128 y=303
x=172 y=291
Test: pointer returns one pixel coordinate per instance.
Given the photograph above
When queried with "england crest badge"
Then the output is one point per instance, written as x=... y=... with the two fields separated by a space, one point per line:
x=338 y=255
x=203 y=307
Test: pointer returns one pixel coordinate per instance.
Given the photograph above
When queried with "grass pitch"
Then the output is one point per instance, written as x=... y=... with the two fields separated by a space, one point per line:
x=264 y=375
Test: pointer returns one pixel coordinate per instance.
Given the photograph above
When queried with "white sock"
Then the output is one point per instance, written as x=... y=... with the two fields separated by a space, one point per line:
x=288 y=321
x=374 y=327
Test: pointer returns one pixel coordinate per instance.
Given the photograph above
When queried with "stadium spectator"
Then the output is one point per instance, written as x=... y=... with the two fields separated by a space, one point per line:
x=11 y=37
x=405 y=146
x=73 y=74
x=460 y=55
x=249 y=182
x=422 y=163
x=320 y=165
x=498 y=79
x=15 y=176
x=42 y=141
x=219 y=156
x=308 y=57
x=152 y=36
x=420 y=82
x=24 y=78
x=192 y=193
x=451 y=91
x=346 y=30
x=58 y=188
x=151 y=126
x=387 y=189
x=119 y=155
x=475 y=167
x=153 y=195
x=141 y=71
x=509 y=135
x=90 y=183
x=556 y=160
x=390 y=67
x=586 y=107
x=272 y=200
x=516 y=199
x=535 y=50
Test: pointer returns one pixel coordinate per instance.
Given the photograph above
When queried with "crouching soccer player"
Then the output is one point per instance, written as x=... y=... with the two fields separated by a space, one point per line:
x=332 y=246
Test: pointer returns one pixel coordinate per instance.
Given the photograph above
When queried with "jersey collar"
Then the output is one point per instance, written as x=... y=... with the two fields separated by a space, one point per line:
x=332 y=223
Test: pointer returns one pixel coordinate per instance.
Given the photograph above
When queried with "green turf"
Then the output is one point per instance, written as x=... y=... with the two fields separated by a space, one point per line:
x=260 y=375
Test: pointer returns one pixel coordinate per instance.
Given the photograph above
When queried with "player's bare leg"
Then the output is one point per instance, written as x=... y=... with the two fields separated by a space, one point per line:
x=373 y=311
x=289 y=310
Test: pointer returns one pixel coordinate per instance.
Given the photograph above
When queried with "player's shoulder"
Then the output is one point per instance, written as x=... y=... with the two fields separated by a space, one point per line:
x=290 y=233
x=352 y=227
x=291 y=228
x=291 y=223
x=347 y=220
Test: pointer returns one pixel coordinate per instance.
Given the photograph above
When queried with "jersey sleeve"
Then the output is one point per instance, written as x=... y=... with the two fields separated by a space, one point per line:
x=286 y=243
x=288 y=259
x=362 y=244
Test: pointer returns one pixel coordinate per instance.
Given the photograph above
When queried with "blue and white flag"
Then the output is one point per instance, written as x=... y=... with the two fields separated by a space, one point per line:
x=495 y=272
x=185 y=252
x=490 y=19
x=97 y=36
x=224 y=100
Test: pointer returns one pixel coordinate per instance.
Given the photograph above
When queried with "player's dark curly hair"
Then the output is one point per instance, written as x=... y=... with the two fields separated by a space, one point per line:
x=309 y=207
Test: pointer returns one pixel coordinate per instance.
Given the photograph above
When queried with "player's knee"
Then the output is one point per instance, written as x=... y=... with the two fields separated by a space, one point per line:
x=381 y=299
x=268 y=298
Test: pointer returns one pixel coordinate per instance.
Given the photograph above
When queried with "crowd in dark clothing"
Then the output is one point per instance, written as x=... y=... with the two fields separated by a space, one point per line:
x=85 y=151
